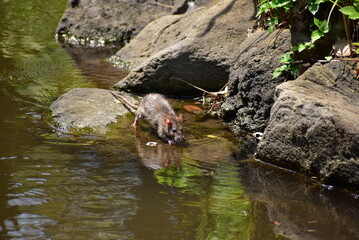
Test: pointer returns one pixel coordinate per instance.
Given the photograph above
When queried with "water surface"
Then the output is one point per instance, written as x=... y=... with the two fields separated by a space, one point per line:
x=113 y=186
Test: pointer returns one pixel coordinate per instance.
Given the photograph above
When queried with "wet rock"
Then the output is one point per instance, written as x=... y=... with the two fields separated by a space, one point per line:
x=97 y=23
x=251 y=85
x=313 y=127
x=82 y=108
x=281 y=193
x=198 y=47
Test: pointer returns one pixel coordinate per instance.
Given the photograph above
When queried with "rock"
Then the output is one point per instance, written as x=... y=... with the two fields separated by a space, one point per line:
x=198 y=47
x=95 y=23
x=86 y=108
x=98 y=23
x=251 y=85
x=314 y=125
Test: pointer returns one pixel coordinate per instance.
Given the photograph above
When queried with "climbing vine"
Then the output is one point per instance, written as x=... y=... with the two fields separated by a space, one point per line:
x=272 y=14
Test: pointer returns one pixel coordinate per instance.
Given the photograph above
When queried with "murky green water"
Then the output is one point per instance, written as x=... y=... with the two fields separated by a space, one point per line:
x=113 y=186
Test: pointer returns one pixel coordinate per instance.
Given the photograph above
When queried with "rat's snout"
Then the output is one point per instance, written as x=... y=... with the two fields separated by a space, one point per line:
x=179 y=138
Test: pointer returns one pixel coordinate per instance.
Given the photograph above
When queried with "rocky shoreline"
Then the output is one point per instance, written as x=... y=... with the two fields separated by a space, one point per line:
x=309 y=124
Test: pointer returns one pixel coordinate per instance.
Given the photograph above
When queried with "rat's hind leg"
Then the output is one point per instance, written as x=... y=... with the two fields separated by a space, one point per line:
x=135 y=123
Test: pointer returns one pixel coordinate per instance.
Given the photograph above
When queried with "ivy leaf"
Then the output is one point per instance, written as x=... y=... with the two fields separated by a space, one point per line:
x=328 y=58
x=286 y=58
x=278 y=71
x=272 y=23
x=263 y=7
x=351 y=11
x=313 y=5
x=316 y=35
x=280 y=3
x=294 y=70
x=323 y=26
x=301 y=47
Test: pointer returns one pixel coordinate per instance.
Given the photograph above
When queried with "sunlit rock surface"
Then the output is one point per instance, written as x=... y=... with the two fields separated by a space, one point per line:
x=98 y=23
x=95 y=23
x=198 y=47
x=82 y=108
x=314 y=125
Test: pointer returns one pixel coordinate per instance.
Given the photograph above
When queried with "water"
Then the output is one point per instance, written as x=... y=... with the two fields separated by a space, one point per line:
x=113 y=186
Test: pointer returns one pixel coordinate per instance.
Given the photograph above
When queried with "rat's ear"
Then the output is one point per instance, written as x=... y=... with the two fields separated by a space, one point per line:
x=180 y=117
x=167 y=121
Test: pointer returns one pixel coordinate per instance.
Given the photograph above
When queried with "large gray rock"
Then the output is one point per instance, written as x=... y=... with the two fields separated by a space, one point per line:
x=198 y=47
x=86 y=108
x=94 y=23
x=97 y=23
x=251 y=85
x=314 y=125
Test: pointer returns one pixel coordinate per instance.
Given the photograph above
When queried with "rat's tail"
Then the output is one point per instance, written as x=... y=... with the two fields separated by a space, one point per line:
x=123 y=99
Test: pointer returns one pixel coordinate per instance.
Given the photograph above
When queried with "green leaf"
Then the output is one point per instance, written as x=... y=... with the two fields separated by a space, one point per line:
x=323 y=26
x=272 y=23
x=301 y=47
x=317 y=22
x=280 y=3
x=263 y=8
x=313 y=5
x=286 y=58
x=328 y=58
x=271 y=29
x=278 y=71
x=294 y=70
x=351 y=11
x=316 y=35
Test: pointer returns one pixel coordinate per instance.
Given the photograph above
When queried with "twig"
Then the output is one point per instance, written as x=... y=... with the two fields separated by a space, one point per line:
x=163 y=5
x=346 y=59
x=201 y=89
x=159 y=33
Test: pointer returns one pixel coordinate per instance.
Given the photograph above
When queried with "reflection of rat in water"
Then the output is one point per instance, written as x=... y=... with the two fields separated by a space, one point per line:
x=159 y=113
x=160 y=156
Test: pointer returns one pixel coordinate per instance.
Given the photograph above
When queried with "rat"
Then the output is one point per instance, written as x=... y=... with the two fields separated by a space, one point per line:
x=158 y=112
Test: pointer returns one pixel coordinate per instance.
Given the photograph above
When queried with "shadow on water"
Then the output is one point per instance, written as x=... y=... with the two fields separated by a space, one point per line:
x=296 y=207
x=93 y=65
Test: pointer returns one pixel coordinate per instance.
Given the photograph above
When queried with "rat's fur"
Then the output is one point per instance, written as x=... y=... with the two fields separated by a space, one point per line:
x=159 y=113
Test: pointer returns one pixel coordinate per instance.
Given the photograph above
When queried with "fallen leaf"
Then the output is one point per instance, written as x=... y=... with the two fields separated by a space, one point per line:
x=191 y=108
x=214 y=137
x=357 y=70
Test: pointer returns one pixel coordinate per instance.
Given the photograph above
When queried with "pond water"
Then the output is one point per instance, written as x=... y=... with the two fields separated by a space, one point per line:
x=113 y=186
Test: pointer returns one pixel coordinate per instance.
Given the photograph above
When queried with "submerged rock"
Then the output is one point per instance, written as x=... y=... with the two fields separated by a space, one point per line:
x=314 y=125
x=198 y=47
x=86 y=108
x=251 y=85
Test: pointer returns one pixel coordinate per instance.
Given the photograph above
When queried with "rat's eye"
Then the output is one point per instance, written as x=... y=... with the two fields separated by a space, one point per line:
x=174 y=130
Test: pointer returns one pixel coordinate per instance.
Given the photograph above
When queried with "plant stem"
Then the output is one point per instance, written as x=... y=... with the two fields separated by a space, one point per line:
x=347 y=33
x=331 y=11
x=335 y=3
